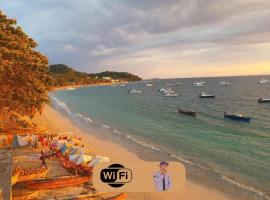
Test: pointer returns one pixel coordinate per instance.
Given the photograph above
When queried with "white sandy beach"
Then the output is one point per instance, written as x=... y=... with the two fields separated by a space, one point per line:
x=56 y=122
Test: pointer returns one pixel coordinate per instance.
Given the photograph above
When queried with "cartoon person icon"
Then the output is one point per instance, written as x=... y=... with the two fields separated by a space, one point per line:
x=161 y=178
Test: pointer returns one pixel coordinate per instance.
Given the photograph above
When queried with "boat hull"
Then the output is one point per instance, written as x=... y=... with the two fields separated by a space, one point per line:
x=237 y=118
x=207 y=97
x=264 y=101
x=186 y=112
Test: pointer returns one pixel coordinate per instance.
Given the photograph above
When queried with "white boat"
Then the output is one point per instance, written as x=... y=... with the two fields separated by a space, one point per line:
x=162 y=90
x=264 y=81
x=133 y=91
x=198 y=84
x=204 y=95
x=122 y=85
x=71 y=88
x=171 y=94
x=149 y=85
x=224 y=83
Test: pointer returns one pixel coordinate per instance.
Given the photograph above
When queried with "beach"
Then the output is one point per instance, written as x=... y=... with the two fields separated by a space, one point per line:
x=56 y=122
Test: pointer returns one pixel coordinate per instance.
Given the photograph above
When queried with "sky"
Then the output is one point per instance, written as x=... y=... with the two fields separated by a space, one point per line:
x=150 y=38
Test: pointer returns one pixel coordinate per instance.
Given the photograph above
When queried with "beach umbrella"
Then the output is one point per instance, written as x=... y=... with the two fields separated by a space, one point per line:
x=98 y=159
x=79 y=150
x=81 y=159
x=64 y=148
x=57 y=143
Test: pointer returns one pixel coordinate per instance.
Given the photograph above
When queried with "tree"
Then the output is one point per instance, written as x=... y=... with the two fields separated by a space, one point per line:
x=24 y=74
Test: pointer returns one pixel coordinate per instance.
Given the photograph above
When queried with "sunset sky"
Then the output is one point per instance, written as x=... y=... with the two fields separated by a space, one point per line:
x=151 y=38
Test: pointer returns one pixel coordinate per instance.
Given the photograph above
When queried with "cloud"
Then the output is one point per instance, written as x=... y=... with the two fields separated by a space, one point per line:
x=145 y=36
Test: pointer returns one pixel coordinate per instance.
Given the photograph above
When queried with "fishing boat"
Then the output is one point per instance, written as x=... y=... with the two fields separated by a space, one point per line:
x=57 y=182
x=198 y=84
x=237 y=117
x=30 y=174
x=133 y=91
x=204 y=95
x=187 y=112
x=264 y=81
x=224 y=83
x=261 y=100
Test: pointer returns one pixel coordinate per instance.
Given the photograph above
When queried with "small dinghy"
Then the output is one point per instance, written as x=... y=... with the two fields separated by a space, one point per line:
x=237 y=117
x=134 y=91
x=261 y=100
x=204 y=95
x=187 y=112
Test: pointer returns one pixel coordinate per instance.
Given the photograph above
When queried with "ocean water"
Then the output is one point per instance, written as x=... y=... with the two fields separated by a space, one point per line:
x=231 y=156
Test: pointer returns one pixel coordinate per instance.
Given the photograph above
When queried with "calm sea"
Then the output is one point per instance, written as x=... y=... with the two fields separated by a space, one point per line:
x=231 y=156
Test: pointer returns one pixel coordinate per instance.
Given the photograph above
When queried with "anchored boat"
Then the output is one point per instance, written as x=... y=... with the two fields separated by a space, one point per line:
x=261 y=100
x=237 y=117
x=134 y=91
x=204 y=95
x=187 y=112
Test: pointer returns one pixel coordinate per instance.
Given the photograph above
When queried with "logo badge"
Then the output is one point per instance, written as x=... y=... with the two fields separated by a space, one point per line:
x=116 y=175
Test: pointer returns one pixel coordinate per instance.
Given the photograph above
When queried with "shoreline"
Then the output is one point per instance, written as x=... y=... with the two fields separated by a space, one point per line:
x=56 y=122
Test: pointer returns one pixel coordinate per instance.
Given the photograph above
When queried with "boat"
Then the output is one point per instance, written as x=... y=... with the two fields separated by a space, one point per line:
x=204 y=95
x=30 y=174
x=261 y=100
x=198 y=84
x=187 y=112
x=237 y=117
x=224 y=83
x=122 y=85
x=149 y=85
x=133 y=91
x=57 y=182
x=264 y=81
x=162 y=90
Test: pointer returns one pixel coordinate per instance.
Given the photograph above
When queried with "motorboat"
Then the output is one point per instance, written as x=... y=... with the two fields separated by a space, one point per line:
x=133 y=91
x=187 y=112
x=224 y=83
x=149 y=85
x=264 y=81
x=204 y=95
x=162 y=90
x=198 y=84
x=122 y=85
x=237 y=117
x=261 y=100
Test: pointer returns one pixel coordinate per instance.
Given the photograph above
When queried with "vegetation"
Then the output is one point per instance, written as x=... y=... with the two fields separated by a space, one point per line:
x=23 y=75
x=65 y=76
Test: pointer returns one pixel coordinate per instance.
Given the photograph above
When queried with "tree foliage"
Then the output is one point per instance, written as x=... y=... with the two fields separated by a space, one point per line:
x=23 y=73
x=66 y=76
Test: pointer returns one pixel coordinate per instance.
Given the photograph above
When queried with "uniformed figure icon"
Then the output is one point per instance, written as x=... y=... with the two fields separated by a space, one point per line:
x=161 y=178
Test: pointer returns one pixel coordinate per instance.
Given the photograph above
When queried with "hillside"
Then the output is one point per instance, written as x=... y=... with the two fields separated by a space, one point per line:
x=64 y=75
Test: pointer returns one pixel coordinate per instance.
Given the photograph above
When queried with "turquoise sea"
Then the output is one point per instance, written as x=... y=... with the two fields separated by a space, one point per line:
x=231 y=156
